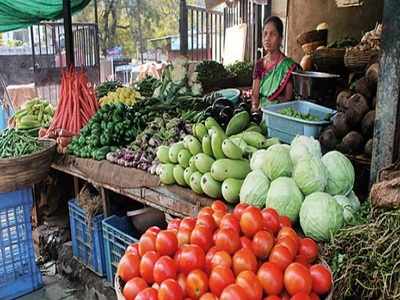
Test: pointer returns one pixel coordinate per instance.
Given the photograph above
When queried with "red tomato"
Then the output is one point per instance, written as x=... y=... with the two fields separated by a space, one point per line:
x=219 y=205
x=289 y=232
x=174 y=224
x=147 y=243
x=251 y=221
x=300 y=296
x=289 y=243
x=271 y=220
x=205 y=211
x=133 y=248
x=164 y=268
x=188 y=223
x=209 y=256
x=321 y=279
x=244 y=260
x=297 y=279
x=238 y=210
x=309 y=249
x=153 y=229
x=181 y=279
x=191 y=257
x=270 y=276
x=249 y=282
x=234 y=292
x=273 y=297
x=220 y=278
x=228 y=240
x=147 y=265
x=202 y=236
x=133 y=287
x=314 y=296
x=170 y=290
x=262 y=243
x=221 y=258
x=147 y=294
x=218 y=215
x=284 y=221
x=128 y=266
x=155 y=286
x=166 y=243
x=208 y=296
x=208 y=221
x=183 y=236
x=302 y=259
x=196 y=284
x=281 y=256
x=230 y=221
x=285 y=296
x=245 y=242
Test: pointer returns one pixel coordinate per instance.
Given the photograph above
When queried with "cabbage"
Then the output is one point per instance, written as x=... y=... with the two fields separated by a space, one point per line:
x=320 y=216
x=254 y=189
x=310 y=175
x=257 y=159
x=347 y=205
x=354 y=200
x=304 y=147
x=340 y=173
x=276 y=162
x=285 y=197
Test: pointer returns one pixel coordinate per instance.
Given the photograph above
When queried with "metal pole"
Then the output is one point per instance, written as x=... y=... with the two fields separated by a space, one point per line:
x=68 y=34
x=183 y=27
x=96 y=16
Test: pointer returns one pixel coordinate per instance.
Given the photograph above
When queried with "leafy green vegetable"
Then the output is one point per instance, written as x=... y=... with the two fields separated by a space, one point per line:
x=310 y=175
x=109 y=86
x=291 y=112
x=255 y=188
x=147 y=86
x=304 y=147
x=276 y=162
x=16 y=143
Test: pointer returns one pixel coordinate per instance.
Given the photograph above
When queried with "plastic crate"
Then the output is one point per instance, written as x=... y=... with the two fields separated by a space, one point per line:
x=286 y=128
x=87 y=243
x=118 y=234
x=19 y=274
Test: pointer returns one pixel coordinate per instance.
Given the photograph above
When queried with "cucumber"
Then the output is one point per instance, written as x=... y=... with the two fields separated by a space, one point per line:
x=200 y=130
x=174 y=151
x=238 y=123
x=229 y=168
x=203 y=162
x=211 y=122
x=179 y=175
x=183 y=158
x=186 y=175
x=231 y=150
x=206 y=145
x=210 y=186
x=163 y=154
x=216 y=144
x=231 y=190
x=195 y=182
x=194 y=146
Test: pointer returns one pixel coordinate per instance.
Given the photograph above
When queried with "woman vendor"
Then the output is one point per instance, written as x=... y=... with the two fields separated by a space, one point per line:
x=272 y=80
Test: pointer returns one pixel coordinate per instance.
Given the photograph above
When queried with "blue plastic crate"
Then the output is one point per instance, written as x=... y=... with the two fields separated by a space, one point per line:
x=19 y=274
x=87 y=243
x=118 y=234
x=286 y=128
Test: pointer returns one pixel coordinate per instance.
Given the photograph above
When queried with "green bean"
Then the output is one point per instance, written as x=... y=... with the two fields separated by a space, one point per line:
x=15 y=143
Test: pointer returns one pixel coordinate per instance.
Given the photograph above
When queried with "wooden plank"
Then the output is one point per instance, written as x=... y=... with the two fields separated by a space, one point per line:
x=105 y=199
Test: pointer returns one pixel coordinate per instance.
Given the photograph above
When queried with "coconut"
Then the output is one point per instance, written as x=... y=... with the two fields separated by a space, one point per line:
x=367 y=124
x=358 y=107
x=342 y=99
x=328 y=139
x=363 y=87
x=340 y=124
x=352 y=143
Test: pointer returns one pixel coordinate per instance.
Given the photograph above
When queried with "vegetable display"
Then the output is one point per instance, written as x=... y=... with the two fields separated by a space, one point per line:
x=291 y=112
x=16 y=143
x=212 y=74
x=34 y=113
x=147 y=86
x=108 y=86
x=247 y=254
x=124 y=95
x=242 y=71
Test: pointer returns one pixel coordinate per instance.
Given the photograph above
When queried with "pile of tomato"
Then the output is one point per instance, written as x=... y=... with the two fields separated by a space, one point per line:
x=249 y=254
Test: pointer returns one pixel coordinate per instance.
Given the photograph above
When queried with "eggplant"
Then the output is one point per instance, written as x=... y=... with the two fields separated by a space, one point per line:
x=245 y=106
x=222 y=102
x=228 y=111
x=223 y=117
x=238 y=110
x=256 y=117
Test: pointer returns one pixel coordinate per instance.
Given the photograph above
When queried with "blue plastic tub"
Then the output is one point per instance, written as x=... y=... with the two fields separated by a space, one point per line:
x=230 y=94
x=19 y=274
x=87 y=241
x=286 y=128
x=118 y=234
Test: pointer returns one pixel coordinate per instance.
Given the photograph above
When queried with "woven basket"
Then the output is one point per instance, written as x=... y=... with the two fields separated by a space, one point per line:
x=27 y=170
x=358 y=61
x=328 y=59
x=312 y=36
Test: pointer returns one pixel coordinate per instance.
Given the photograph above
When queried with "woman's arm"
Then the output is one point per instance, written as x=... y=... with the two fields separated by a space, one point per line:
x=255 y=97
x=288 y=94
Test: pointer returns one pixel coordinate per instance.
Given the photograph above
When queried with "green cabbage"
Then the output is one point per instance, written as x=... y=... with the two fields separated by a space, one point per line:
x=257 y=159
x=320 y=216
x=276 y=162
x=285 y=197
x=304 y=147
x=310 y=175
x=255 y=188
x=348 y=209
x=354 y=200
x=340 y=173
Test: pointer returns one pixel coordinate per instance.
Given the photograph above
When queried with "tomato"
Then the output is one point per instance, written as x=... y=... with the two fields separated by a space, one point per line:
x=147 y=243
x=128 y=266
x=234 y=292
x=284 y=221
x=228 y=240
x=245 y=242
x=321 y=279
x=219 y=205
x=205 y=211
x=289 y=243
x=289 y=232
x=209 y=256
x=249 y=282
x=147 y=294
x=300 y=296
x=196 y=284
x=251 y=221
x=191 y=257
x=170 y=290
x=244 y=260
x=238 y=210
x=314 y=296
x=133 y=287
x=153 y=229
x=208 y=296
x=262 y=243
x=208 y=221
x=285 y=296
x=271 y=220
x=218 y=215
x=302 y=259
x=164 y=268
x=156 y=286
x=221 y=258
x=202 y=236
x=309 y=249
x=270 y=276
x=281 y=256
x=297 y=278
x=181 y=279
x=133 y=248
x=273 y=297
x=183 y=236
x=220 y=278
x=147 y=264
x=174 y=224
x=188 y=223
x=230 y=221
x=166 y=243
